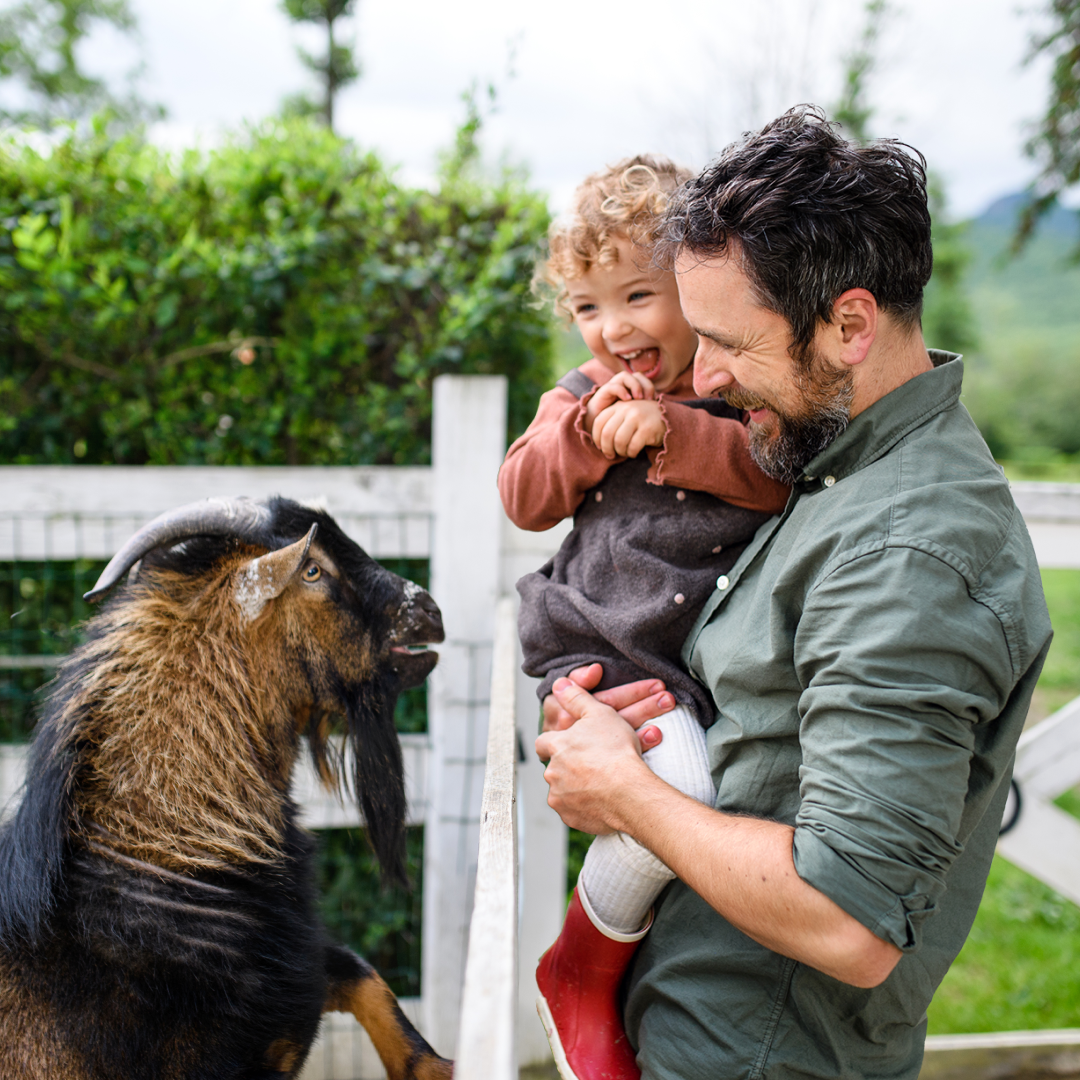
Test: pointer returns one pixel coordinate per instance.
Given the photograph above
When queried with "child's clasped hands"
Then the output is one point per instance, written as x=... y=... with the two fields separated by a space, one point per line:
x=624 y=416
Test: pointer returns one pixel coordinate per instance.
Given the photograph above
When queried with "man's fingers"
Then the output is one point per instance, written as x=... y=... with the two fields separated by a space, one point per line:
x=650 y=737
x=641 y=712
x=572 y=697
x=544 y=749
x=588 y=676
x=619 y=697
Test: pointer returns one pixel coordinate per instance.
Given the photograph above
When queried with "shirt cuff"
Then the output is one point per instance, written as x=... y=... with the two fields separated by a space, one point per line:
x=897 y=919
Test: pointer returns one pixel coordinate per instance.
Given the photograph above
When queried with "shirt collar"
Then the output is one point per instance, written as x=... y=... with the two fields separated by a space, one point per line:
x=876 y=430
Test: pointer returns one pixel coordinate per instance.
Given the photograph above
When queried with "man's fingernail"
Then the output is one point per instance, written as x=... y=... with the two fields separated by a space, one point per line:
x=665 y=701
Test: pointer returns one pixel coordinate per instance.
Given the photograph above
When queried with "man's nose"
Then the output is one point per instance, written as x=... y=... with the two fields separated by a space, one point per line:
x=710 y=372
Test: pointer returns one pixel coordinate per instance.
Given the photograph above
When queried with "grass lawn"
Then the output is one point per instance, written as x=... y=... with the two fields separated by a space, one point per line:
x=1020 y=968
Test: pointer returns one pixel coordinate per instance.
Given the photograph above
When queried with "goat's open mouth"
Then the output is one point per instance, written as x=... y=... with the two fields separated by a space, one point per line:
x=413 y=663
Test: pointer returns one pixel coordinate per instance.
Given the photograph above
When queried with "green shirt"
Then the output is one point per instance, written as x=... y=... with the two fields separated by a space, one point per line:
x=872 y=655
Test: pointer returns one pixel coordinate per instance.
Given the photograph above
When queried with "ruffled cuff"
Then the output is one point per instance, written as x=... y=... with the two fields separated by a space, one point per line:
x=579 y=419
x=655 y=474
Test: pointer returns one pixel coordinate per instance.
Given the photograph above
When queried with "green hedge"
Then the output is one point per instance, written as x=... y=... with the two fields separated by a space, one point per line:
x=281 y=300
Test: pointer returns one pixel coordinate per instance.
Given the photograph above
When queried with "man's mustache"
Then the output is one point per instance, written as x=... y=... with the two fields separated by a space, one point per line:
x=739 y=398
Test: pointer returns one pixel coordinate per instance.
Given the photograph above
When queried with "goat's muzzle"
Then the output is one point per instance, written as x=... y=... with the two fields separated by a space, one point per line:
x=420 y=624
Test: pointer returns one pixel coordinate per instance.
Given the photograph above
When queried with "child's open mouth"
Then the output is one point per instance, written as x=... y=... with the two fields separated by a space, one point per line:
x=642 y=362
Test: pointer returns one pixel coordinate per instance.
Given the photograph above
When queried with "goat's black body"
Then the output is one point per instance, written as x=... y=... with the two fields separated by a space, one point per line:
x=142 y=969
x=114 y=967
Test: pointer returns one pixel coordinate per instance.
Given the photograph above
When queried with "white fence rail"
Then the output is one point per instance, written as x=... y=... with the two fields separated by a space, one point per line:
x=486 y=1045
x=450 y=514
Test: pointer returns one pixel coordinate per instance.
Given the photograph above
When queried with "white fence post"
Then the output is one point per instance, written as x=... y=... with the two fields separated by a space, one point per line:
x=468 y=442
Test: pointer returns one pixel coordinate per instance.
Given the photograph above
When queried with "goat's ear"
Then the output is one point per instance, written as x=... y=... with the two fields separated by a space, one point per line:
x=266 y=577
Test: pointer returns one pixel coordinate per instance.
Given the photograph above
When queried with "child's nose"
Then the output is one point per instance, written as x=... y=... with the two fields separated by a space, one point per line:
x=616 y=328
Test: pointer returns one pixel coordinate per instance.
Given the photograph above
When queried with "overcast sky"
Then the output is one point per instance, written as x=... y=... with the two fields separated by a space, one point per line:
x=583 y=82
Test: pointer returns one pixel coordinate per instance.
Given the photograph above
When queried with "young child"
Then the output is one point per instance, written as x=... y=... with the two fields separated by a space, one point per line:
x=664 y=496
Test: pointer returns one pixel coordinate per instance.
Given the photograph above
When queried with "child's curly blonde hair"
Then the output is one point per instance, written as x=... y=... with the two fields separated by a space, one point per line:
x=623 y=202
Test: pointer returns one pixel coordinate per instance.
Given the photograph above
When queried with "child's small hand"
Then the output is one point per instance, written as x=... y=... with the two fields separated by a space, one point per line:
x=623 y=386
x=627 y=427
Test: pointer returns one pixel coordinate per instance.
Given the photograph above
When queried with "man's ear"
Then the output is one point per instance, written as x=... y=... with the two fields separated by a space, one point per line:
x=855 y=315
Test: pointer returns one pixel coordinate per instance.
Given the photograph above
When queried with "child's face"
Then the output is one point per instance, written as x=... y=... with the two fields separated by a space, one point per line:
x=631 y=320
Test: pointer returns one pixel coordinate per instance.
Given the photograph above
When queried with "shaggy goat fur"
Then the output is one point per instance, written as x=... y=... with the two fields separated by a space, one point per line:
x=157 y=913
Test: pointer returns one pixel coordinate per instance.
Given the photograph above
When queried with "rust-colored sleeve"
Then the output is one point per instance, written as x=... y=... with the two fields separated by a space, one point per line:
x=548 y=470
x=710 y=453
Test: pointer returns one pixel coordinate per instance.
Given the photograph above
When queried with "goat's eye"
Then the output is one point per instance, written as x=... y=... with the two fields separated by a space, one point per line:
x=312 y=572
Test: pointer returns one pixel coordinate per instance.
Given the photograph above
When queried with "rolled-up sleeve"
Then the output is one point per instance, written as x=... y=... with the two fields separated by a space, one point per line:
x=900 y=664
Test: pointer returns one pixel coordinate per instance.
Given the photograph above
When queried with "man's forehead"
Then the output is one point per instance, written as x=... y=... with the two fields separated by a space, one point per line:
x=705 y=280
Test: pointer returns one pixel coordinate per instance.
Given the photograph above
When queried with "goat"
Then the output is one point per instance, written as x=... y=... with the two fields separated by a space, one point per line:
x=157 y=905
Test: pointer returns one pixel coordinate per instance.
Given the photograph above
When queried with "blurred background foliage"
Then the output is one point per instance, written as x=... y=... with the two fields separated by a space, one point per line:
x=280 y=300
x=1022 y=380
x=381 y=923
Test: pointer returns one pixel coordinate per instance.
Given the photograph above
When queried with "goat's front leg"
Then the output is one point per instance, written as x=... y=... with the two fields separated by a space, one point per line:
x=355 y=986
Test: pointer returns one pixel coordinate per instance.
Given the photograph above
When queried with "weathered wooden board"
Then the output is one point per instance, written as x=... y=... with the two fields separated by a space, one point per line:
x=486 y=1043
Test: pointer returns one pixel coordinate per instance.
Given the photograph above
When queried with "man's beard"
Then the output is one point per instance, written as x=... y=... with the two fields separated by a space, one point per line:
x=783 y=451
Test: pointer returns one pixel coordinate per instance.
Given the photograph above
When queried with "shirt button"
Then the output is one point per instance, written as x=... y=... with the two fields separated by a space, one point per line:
x=830 y=480
x=680 y=495
x=599 y=496
x=722 y=582
x=679 y=598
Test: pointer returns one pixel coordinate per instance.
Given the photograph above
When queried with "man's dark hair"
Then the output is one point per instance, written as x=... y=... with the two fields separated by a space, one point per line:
x=812 y=215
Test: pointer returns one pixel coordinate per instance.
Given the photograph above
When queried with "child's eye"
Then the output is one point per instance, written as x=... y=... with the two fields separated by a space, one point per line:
x=639 y=295
x=584 y=309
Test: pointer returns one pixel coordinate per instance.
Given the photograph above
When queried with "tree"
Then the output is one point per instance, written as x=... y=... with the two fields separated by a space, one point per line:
x=947 y=318
x=38 y=45
x=1056 y=142
x=337 y=67
x=948 y=321
x=853 y=110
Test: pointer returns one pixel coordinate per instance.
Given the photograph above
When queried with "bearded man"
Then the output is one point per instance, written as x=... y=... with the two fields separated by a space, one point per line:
x=871 y=655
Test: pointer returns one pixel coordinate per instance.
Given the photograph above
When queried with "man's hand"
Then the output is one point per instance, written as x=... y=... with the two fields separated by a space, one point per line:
x=622 y=386
x=742 y=866
x=627 y=427
x=636 y=702
x=591 y=761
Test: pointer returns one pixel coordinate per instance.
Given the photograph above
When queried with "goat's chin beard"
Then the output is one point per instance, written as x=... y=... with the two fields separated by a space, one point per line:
x=784 y=447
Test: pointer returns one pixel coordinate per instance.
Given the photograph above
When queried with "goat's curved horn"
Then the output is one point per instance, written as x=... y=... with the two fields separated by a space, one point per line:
x=240 y=517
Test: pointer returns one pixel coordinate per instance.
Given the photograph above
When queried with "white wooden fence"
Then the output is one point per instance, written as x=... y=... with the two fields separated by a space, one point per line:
x=450 y=514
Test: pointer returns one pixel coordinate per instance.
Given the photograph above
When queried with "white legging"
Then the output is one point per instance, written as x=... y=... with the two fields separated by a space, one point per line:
x=621 y=878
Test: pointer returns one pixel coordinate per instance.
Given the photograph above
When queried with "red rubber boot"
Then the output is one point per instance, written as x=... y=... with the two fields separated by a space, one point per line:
x=579 y=979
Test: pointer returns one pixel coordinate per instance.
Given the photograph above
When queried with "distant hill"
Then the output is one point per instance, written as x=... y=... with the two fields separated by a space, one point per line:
x=1022 y=380
x=1003 y=212
x=1039 y=289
